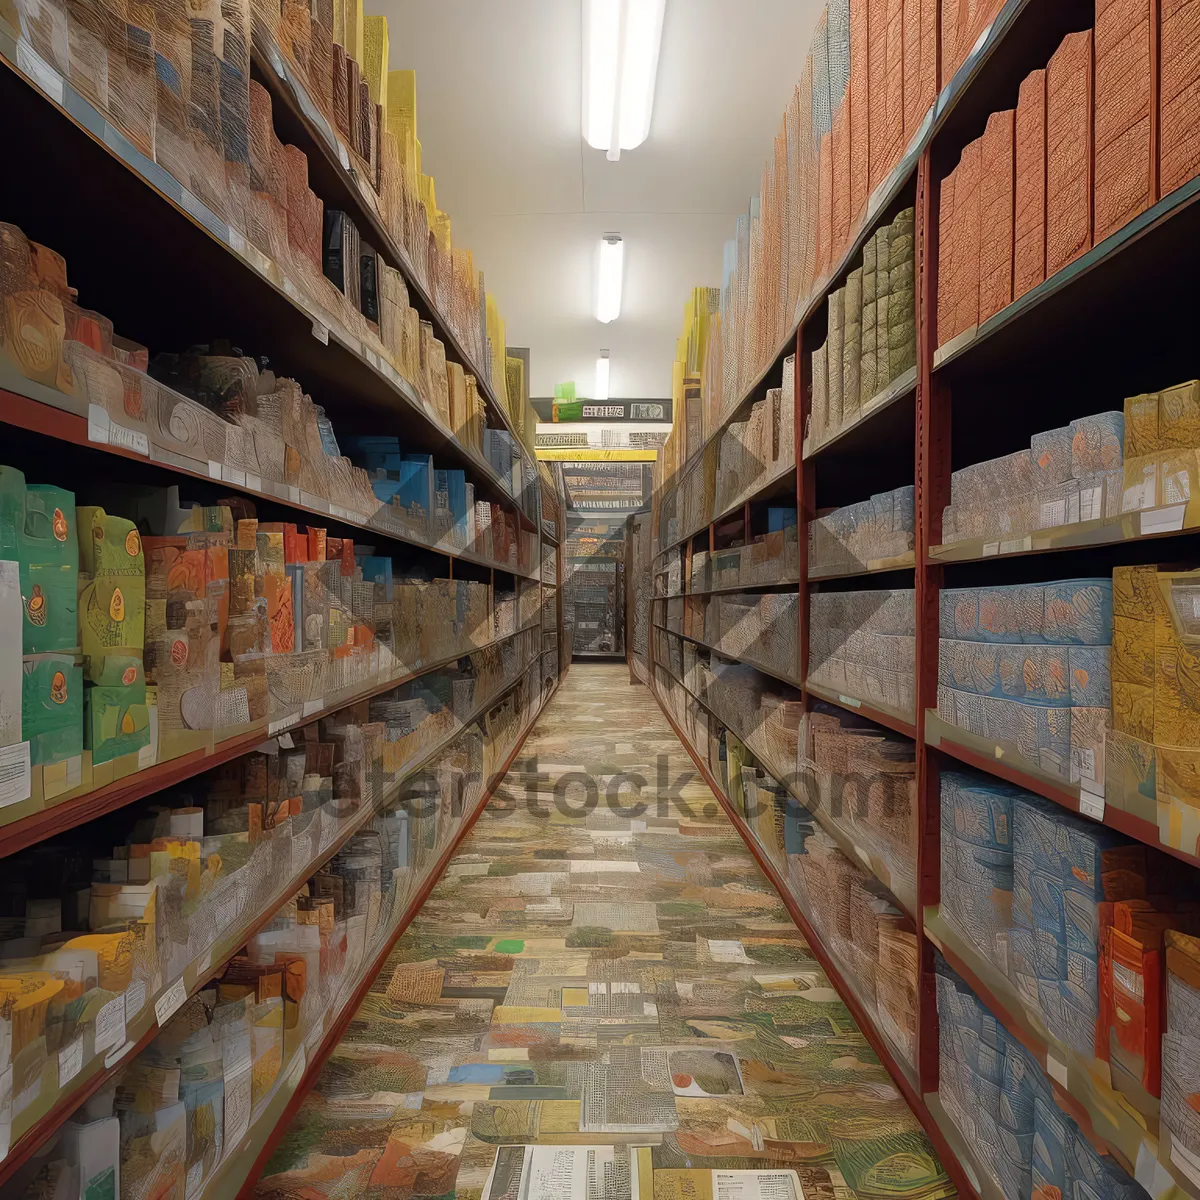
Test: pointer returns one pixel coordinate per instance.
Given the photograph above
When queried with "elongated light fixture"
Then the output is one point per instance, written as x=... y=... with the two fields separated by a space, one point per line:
x=608 y=278
x=622 y=39
x=601 y=391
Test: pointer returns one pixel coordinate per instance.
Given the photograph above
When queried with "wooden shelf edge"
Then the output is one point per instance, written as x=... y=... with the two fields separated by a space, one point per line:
x=49 y=420
x=892 y=721
x=1065 y=795
x=337 y=1031
x=729 y=657
x=69 y=814
x=863 y=1019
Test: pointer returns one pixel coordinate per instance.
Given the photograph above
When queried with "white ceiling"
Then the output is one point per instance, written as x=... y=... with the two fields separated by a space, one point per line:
x=498 y=115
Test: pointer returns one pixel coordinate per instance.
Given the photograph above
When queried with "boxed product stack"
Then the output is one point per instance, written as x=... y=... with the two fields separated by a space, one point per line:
x=1027 y=667
x=863 y=645
x=874 y=942
x=1162 y=442
x=1074 y=914
x=1001 y=1102
x=862 y=779
x=754 y=628
x=963 y=21
x=1181 y=1049
x=1071 y=165
x=872 y=531
x=872 y=333
x=1066 y=476
x=1154 y=742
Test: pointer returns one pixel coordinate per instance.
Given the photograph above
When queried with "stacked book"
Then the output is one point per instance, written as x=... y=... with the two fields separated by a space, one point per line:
x=769 y=558
x=872 y=333
x=760 y=629
x=232 y=160
x=863 y=645
x=1066 y=476
x=1027 y=667
x=860 y=535
x=222 y=414
x=1070 y=165
x=862 y=781
x=871 y=939
x=1000 y=1100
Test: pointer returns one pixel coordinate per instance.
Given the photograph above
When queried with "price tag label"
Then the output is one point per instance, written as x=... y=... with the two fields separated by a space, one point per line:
x=1091 y=804
x=285 y=742
x=70 y=1062
x=110 y=1024
x=313 y=706
x=214 y=469
x=171 y=1001
x=320 y=332
x=283 y=723
x=254 y=482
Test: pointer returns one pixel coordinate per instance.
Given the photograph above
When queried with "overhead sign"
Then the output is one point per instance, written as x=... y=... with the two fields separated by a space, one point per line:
x=581 y=454
x=603 y=410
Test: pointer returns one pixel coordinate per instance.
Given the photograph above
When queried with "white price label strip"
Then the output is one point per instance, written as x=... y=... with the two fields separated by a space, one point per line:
x=171 y=1001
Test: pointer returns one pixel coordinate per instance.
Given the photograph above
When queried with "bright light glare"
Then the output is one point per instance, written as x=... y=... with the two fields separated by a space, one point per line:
x=608 y=283
x=602 y=377
x=601 y=45
x=622 y=40
x=643 y=37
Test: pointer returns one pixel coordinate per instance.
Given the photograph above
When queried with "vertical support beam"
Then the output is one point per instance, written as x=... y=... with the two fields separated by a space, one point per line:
x=746 y=523
x=932 y=494
x=806 y=490
x=1155 y=98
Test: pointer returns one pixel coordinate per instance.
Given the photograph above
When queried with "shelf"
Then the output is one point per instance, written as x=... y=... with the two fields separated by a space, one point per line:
x=878 y=566
x=1169 y=521
x=982 y=1184
x=42 y=410
x=736 y=587
x=331 y=170
x=902 y=893
x=171 y=296
x=773 y=485
x=26 y=824
x=895 y=721
x=1082 y=1087
x=900 y=1071
x=1006 y=764
x=871 y=431
x=242 y=1166
x=209 y=963
x=1109 y=288
x=729 y=657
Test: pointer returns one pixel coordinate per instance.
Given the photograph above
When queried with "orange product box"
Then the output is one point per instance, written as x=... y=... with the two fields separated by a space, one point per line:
x=1069 y=151
x=1179 y=93
x=1029 y=186
x=996 y=215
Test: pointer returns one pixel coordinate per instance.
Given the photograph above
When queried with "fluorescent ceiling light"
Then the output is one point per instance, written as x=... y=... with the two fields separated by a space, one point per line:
x=622 y=39
x=601 y=391
x=608 y=278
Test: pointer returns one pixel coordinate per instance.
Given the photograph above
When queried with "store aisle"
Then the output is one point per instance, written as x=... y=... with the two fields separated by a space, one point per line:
x=611 y=976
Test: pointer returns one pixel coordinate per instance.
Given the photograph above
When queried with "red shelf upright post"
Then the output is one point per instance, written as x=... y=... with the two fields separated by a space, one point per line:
x=932 y=494
x=806 y=481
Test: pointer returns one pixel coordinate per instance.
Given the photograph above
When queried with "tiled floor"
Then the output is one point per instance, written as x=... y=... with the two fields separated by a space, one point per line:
x=591 y=973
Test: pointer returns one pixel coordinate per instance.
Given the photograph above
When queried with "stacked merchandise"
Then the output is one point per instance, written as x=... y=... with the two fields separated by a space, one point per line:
x=1066 y=476
x=1001 y=1102
x=1027 y=667
x=178 y=1111
x=755 y=707
x=861 y=781
x=103 y=920
x=768 y=558
x=747 y=455
x=1076 y=916
x=761 y=629
x=863 y=645
x=872 y=339
x=1162 y=445
x=872 y=940
x=212 y=627
x=551 y=510
x=211 y=407
x=860 y=535
x=1071 y=165
x=1181 y=1050
x=639 y=582
x=867 y=83
x=192 y=106
x=1152 y=746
